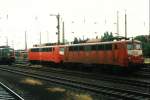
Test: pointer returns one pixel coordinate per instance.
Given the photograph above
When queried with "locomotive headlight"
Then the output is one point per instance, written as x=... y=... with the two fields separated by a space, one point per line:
x=61 y=52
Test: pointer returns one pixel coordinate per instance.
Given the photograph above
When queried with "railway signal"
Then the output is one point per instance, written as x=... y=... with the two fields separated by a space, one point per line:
x=58 y=26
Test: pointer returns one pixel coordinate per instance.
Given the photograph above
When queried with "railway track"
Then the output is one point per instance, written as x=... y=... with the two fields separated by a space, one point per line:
x=139 y=80
x=7 y=94
x=90 y=85
x=146 y=68
x=133 y=81
x=144 y=72
x=22 y=62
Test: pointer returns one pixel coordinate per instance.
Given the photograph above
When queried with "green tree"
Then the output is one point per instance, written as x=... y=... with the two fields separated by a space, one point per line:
x=141 y=38
x=75 y=41
x=145 y=44
x=107 y=37
x=146 y=49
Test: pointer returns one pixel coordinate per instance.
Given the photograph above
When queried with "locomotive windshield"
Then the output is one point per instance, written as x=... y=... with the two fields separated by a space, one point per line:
x=61 y=51
x=134 y=46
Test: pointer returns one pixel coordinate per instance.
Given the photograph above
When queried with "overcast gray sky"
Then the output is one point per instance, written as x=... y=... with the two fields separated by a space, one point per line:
x=83 y=17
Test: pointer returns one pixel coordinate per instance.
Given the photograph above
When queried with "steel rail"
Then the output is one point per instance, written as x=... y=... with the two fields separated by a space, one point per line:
x=115 y=92
x=9 y=94
x=113 y=78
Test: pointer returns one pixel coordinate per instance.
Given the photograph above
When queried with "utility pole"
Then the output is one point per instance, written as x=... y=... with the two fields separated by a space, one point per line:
x=40 y=38
x=125 y=24
x=25 y=41
x=58 y=26
x=6 y=41
x=12 y=43
x=149 y=22
x=63 y=30
x=118 y=23
x=7 y=29
x=47 y=37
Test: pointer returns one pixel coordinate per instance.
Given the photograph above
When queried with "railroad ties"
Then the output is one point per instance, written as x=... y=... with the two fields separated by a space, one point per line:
x=7 y=94
x=116 y=90
x=21 y=62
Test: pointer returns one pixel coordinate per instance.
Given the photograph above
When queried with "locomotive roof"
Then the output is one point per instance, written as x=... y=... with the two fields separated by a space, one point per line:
x=47 y=46
x=4 y=47
x=109 y=42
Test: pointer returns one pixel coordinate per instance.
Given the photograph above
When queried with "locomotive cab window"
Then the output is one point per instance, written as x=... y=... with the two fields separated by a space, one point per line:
x=138 y=46
x=61 y=50
x=135 y=46
x=130 y=46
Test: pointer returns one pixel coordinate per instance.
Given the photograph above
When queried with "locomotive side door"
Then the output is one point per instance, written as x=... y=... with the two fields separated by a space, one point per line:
x=66 y=53
x=115 y=53
x=87 y=53
x=53 y=53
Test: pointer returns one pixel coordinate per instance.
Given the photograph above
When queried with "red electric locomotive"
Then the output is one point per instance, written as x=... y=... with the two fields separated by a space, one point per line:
x=118 y=53
x=115 y=53
x=52 y=54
